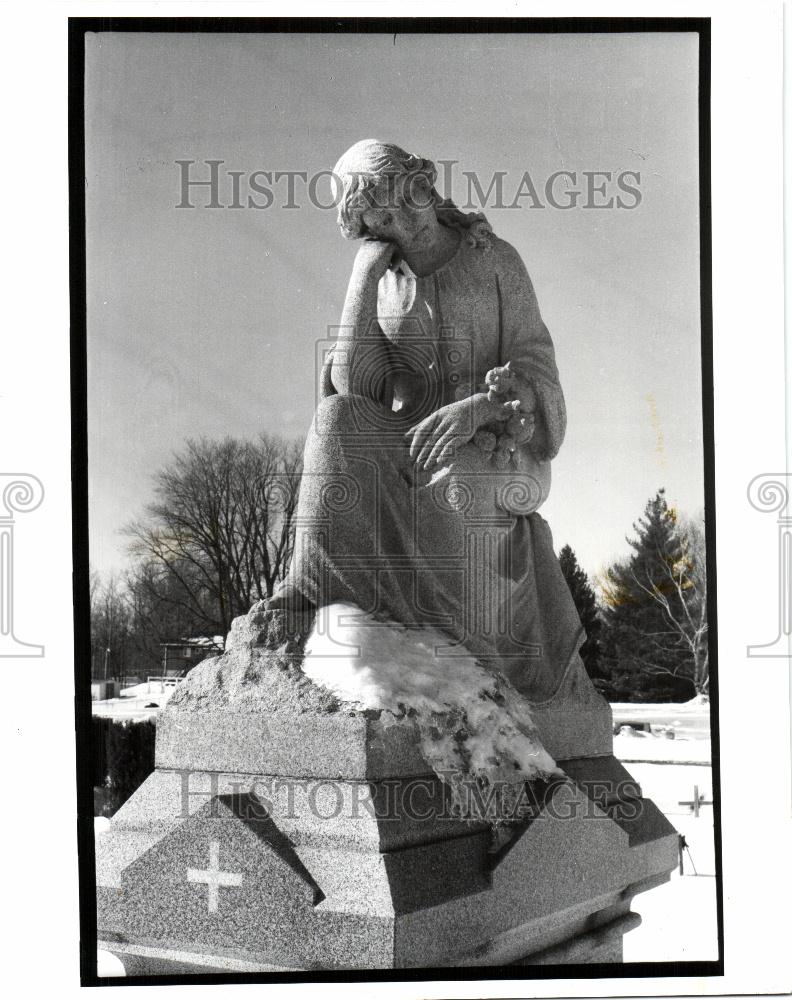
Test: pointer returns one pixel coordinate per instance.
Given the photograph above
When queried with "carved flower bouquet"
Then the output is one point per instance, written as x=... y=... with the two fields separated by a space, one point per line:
x=500 y=440
x=494 y=464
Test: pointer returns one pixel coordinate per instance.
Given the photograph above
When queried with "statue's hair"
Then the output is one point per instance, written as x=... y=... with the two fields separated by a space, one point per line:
x=364 y=165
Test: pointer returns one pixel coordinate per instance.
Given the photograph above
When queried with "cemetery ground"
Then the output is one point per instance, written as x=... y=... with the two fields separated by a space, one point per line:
x=679 y=920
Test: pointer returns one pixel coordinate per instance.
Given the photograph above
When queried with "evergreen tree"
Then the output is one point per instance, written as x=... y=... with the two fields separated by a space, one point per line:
x=586 y=603
x=654 y=646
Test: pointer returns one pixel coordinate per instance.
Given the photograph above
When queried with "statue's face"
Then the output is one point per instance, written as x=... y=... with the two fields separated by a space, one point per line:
x=402 y=211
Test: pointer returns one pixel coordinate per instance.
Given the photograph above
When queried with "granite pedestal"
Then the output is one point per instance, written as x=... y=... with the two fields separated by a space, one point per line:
x=297 y=838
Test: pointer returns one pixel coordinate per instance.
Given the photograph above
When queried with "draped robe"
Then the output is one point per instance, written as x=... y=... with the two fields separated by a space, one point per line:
x=467 y=553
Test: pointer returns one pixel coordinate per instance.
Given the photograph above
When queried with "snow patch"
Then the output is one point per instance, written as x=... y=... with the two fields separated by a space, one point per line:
x=626 y=747
x=473 y=723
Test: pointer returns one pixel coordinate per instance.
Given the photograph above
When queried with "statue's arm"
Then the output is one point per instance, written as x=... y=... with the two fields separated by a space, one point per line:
x=361 y=357
x=528 y=346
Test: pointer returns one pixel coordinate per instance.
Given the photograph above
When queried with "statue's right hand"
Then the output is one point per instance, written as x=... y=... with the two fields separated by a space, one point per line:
x=374 y=257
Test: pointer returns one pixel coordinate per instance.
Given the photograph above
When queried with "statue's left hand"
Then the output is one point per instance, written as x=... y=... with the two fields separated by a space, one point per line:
x=435 y=439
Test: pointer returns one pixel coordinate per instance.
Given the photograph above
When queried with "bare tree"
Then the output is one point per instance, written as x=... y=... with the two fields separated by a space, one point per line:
x=681 y=594
x=219 y=534
x=690 y=582
x=110 y=626
x=163 y=610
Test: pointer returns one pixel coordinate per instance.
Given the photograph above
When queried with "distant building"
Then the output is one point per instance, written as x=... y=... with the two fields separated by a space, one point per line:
x=179 y=657
x=101 y=690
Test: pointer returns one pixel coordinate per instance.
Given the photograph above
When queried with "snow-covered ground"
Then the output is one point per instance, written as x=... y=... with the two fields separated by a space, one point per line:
x=137 y=703
x=127 y=709
x=689 y=720
x=640 y=747
x=679 y=919
x=678 y=733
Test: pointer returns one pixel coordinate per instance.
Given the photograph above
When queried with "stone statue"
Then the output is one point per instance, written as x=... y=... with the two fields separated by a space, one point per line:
x=431 y=782
x=430 y=451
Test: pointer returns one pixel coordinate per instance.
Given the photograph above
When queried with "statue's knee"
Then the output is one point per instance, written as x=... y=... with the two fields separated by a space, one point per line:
x=334 y=404
x=349 y=413
x=332 y=413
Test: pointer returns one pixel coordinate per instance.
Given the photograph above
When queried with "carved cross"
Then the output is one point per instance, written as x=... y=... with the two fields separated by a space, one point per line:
x=213 y=877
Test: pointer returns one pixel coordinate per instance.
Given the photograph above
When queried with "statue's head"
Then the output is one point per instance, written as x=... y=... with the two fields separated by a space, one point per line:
x=386 y=193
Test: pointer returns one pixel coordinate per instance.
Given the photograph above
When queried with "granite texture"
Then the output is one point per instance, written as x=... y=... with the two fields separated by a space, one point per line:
x=342 y=841
x=254 y=711
x=354 y=890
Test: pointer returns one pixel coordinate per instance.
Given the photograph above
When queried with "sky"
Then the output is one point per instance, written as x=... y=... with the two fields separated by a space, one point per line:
x=206 y=321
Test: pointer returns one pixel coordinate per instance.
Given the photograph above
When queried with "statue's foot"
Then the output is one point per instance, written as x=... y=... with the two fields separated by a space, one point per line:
x=289 y=599
x=285 y=618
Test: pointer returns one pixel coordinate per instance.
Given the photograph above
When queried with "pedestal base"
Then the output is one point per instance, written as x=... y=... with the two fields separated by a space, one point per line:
x=307 y=840
x=261 y=872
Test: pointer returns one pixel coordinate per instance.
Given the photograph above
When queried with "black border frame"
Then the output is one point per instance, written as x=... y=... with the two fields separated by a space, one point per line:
x=78 y=27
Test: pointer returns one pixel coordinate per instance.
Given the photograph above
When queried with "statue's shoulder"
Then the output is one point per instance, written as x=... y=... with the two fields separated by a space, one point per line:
x=505 y=259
